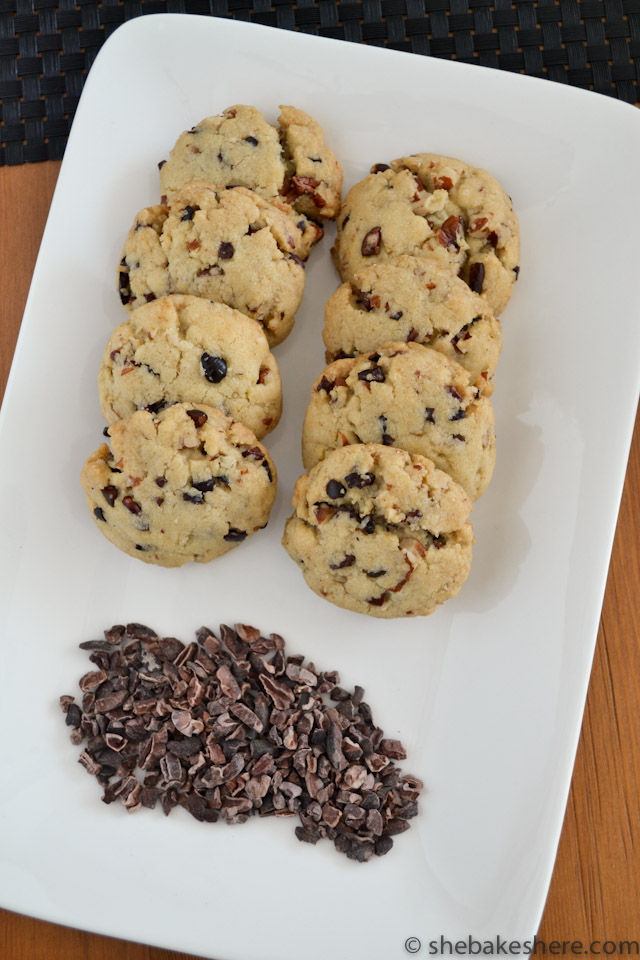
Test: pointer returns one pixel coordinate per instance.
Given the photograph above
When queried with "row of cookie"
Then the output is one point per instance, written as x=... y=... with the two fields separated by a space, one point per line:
x=397 y=443
x=179 y=355
x=428 y=248
x=237 y=217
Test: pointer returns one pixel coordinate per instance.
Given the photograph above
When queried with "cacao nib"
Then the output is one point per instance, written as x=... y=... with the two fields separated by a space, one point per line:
x=335 y=489
x=476 y=276
x=348 y=561
x=233 y=727
x=214 y=368
x=205 y=486
x=387 y=440
x=360 y=480
x=110 y=493
x=255 y=453
x=377 y=601
x=123 y=286
x=235 y=536
x=373 y=375
x=371 y=243
x=193 y=498
x=199 y=417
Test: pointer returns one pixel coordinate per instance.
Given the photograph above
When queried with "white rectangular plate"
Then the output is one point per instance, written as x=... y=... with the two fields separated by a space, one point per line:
x=488 y=693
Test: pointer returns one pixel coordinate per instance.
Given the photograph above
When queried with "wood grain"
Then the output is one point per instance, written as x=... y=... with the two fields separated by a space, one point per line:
x=25 y=196
x=595 y=892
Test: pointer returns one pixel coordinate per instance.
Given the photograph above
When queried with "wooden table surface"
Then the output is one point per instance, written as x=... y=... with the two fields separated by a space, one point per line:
x=595 y=892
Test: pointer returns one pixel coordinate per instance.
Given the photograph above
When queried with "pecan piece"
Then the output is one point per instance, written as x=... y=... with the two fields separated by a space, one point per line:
x=304 y=184
x=448 y=233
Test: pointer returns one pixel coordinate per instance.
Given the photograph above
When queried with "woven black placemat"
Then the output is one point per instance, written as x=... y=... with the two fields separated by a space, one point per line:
x=47 y=47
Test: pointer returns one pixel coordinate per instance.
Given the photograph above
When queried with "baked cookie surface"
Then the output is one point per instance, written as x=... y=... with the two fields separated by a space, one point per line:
x=185 y=484
x=417 y=300
x=239 y=147
x=434 y=206
x=226 y=245
x=409 y=396
x=185 y=348
x=378 y=531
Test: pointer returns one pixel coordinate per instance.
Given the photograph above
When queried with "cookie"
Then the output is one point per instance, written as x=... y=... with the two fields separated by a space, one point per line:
x=408 y=396
x=414 y=299
x=231 y=246
x=186 y=348
x=185 y=484
x=435 y=206
x=239 y=147
x=378 y=531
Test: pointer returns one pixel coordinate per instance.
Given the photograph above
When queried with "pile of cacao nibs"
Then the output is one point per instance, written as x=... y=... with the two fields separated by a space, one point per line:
x=232 y=726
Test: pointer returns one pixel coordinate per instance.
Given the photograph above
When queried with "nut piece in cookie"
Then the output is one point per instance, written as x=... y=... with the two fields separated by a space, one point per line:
x=231 y=246
x=239 y=148
x=185 y=484
x=378 y=531
x=409 y=396
x=429 y=205
x=185 y=348
x=417 y=300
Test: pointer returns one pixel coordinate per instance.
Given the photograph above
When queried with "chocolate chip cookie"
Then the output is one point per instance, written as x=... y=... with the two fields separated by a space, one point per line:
x=227 y=245
x=378 y=531
x=186 y=348
x=409 y=396
x=239 y=147
x=414 y=299
x=436 y=206
x=184 y=484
